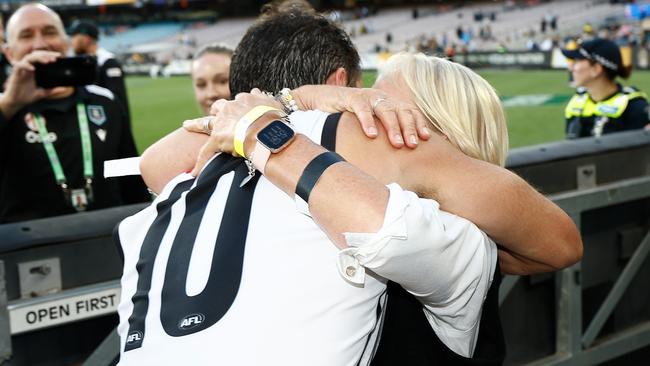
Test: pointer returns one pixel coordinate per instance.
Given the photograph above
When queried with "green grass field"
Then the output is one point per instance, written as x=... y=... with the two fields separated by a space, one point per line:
x=158 y=106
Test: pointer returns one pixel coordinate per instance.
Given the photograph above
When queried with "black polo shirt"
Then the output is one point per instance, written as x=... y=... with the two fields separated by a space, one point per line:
x=28 y=188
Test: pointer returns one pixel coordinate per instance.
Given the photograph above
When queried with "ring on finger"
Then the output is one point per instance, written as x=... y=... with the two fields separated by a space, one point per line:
x=377 y=101
x=205 y=127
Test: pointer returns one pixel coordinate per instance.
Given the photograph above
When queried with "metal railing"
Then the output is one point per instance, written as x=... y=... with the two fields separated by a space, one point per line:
x=573 y=346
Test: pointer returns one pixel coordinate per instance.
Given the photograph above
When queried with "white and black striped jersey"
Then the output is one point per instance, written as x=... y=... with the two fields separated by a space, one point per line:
x=221 y=274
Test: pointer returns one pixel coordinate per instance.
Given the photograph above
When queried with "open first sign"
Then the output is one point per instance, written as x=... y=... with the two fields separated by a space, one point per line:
x=28 y=317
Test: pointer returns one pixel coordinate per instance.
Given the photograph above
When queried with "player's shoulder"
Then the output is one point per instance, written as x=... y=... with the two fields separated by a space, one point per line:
x=99 y=92
x=112 y=69
x=309 y=123
x=104 y=56
x=109 y=65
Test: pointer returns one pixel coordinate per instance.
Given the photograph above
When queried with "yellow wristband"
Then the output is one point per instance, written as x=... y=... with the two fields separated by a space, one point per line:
x=245 y=122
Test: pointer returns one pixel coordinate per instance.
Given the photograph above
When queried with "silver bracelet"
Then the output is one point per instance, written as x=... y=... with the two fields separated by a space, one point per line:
x=286 y=99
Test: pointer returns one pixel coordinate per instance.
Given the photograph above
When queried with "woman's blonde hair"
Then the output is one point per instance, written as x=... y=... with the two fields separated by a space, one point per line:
x=457 y=101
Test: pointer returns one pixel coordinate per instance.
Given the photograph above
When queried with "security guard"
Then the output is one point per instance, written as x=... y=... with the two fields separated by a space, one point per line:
x=601 y=105
x=53 y=142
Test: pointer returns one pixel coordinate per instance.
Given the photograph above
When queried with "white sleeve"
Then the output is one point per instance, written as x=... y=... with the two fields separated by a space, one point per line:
x=442 y=259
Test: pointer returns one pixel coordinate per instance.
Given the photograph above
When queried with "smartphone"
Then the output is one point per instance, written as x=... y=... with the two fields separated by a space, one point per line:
x=67 y=71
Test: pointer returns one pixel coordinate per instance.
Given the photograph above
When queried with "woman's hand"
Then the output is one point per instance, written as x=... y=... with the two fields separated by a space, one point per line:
x=403 y=122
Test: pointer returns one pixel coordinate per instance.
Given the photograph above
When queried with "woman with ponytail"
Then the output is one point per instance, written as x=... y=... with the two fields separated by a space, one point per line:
x=601 y=105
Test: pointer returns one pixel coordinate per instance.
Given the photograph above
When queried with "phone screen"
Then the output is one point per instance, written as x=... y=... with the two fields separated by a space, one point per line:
x=67 y=71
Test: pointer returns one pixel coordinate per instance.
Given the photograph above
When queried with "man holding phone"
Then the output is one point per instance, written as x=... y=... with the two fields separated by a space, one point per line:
x=53 y=141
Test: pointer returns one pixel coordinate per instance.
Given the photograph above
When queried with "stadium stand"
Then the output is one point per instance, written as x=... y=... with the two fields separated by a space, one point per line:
x=508 y=28
x=142 y=34
x=227 y=31
x=511 y=28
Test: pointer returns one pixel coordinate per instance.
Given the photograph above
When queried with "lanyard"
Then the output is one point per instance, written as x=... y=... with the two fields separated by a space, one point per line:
x=86 y=147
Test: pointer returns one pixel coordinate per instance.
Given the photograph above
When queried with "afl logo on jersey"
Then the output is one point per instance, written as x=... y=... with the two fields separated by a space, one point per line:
x=134 y=337
x=191 y=321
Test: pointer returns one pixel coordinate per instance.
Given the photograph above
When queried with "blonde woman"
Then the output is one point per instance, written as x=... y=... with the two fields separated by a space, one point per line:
x=459 y=104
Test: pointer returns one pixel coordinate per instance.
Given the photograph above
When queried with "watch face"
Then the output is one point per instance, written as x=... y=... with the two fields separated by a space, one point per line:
x=276 y=135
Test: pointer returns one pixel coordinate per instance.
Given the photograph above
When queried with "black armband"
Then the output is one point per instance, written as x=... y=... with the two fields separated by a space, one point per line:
x=314 y=171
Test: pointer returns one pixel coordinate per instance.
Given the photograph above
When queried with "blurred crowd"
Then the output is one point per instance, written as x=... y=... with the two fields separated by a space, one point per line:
x=469 y=35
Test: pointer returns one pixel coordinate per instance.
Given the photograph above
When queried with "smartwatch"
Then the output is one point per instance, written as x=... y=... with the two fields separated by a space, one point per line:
x=272 y=139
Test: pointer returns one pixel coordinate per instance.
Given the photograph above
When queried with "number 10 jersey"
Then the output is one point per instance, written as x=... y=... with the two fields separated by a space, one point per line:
x=220 y=274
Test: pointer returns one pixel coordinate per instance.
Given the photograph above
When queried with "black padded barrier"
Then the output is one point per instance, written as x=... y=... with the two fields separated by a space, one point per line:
x=551 y=167
x=84 y=245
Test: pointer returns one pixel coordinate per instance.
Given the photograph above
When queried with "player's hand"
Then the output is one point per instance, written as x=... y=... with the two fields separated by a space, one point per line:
x=222 y=124
x=21 y=88
x=403 y=122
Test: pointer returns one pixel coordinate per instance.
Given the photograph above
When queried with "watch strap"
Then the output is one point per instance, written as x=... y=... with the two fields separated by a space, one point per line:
x=245 y=122
x=260 y=156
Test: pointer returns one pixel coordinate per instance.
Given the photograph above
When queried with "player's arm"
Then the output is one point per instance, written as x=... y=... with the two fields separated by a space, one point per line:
x=170 y=156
